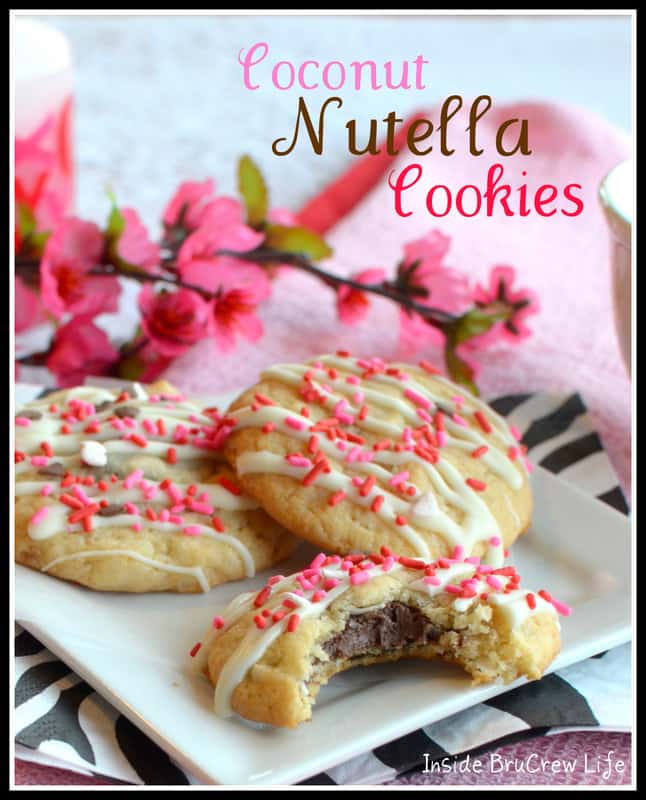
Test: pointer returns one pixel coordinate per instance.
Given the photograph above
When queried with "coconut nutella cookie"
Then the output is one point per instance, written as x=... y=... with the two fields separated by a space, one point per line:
x=354 y=453
x=269 y=652
x=125 y=491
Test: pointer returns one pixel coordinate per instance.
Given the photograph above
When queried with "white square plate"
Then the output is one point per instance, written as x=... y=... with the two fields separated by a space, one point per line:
x=134 y=651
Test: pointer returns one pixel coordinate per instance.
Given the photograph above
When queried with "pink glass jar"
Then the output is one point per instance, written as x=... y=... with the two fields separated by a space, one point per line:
x=44 y=169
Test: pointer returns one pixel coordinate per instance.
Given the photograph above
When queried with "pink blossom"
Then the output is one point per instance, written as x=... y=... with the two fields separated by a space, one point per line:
x=446 y=288
x=71 y=252
x=187 y=205
x=28 y=310
x=233 y=313
x=134 y=246
x=80 y=349
x=500 y=293
x=173 y=321
x=196 y=259
x=415 y=332
x=353 y=304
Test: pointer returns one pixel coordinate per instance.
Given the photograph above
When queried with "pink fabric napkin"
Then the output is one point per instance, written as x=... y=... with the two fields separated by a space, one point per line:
x=565 y=259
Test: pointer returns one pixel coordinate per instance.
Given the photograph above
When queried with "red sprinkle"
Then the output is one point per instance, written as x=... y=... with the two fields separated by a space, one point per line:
x=261 y=622
x=412 y=563
x=293 y=623
x=195 y=649
x=425 y=365
x=218 y=524
x=531 y=600
x=171 y=455
x=363 y=412
x=313 y=444
x=262 y=597
x=367 y=486
x=474 y=483
x=289 y=603
x=268 y=427
x=264 y=400
x=483 y=421
x=47 y=449
x=377 y=503
x=313 y=474
x=135 y=438
x=479 y=451
x=336 y=498
x=229 y=485
x=400 y=519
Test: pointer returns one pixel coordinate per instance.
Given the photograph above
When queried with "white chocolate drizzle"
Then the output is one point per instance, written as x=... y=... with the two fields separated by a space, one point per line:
x=448 y=483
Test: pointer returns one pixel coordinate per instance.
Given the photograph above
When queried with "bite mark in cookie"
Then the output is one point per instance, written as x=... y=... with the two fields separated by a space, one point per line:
x=269 y=652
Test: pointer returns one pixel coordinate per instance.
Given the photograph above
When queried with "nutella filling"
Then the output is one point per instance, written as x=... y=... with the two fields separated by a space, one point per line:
x=390 y=628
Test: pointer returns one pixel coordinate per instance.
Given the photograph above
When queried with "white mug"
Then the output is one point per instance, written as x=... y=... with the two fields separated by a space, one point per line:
x=616 y=195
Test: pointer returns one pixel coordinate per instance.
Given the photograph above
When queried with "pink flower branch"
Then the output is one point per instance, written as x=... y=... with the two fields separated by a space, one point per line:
x=212 y=268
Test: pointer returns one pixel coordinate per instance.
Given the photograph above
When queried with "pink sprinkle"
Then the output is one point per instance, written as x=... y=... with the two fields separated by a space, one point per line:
x=358 y=578
x=191 y=530
x=458 y=399
x=118 y=424
x=441 y=438
x=149 y=426
x=451 y=588
x=318 y=365
x=494 y=541
x=202 y=508
x=417 y=398
x=399 y=478
x=131 y=480
x=388 y=564
x=131 y=508
x=129 y=422
x=78 y=492
x=178 y=508
x=432 y=580
x=492 y=580
x=39 y=516
x=472 y=560
x=180 y=433
x=346 y=565
x=164 y=515
x=458 y=553
x=24 y=422
x=528 y=464
x=358 y=397
x=298 y=461
x=353 y=380
x=47 y=490
x=561 y=607
x=40 y=461
x=176 y=519
x=318 y=595
x=296 y=424
x=484 y=569
x=515 y=433
x=460 y=420
x=357 y=481
x=275 y=579
x=365 y=455
x=353 y=455
x=344 y=419
x=136 y=526
x=330 y=583
x=341 y=446
x=318 y=561
x=218 y=622
x=422 y=414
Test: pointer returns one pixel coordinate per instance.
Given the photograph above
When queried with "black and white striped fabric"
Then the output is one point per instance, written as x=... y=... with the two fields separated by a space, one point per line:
x=61 y=721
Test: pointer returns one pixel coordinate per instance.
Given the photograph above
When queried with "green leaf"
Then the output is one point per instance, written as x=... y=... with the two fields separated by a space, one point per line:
x=253 y=190
x=297 y=240
x=474 y=323
x=131 y=368
x=116 y=224
x=458 y=369
x=26 y=221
